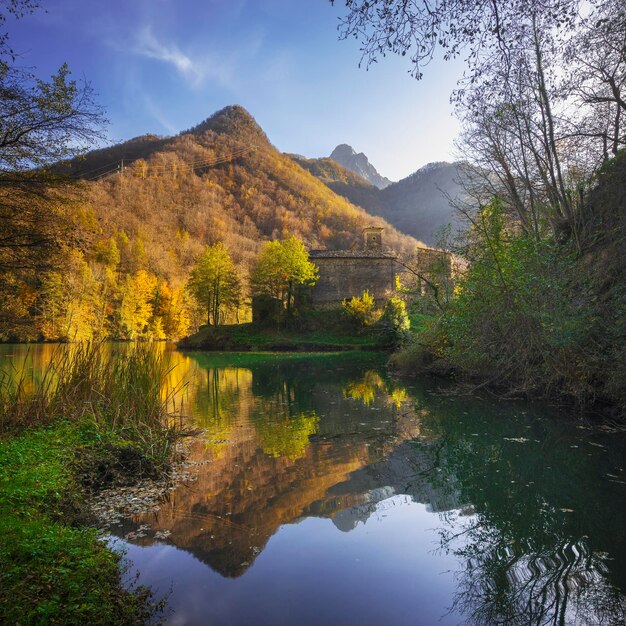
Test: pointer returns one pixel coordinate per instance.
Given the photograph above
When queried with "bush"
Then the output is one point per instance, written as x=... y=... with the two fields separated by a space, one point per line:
x=530 y=316
x=394 y=323
x=360 y=309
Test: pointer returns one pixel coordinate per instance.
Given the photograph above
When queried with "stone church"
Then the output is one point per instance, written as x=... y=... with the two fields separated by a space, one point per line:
x=345 y=274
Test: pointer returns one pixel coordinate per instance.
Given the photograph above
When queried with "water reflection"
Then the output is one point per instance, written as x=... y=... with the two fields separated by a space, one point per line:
x=545 y=541
x=526 y=511
x=277 y=438
x=526 y=505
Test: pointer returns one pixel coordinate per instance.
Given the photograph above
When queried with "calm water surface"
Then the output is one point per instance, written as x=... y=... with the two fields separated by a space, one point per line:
x=326 y=492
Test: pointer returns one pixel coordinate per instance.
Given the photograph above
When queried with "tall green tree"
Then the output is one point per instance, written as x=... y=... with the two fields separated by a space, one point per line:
x=282 y=268
x=214 y=282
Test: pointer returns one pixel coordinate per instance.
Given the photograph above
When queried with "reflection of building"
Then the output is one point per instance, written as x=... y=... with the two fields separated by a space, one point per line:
x=348 y=273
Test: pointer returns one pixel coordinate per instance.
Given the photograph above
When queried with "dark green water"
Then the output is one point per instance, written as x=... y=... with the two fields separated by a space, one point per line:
x=326 y=492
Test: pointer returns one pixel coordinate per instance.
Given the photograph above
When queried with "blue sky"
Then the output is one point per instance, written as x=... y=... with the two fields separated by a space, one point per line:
x=163 y=66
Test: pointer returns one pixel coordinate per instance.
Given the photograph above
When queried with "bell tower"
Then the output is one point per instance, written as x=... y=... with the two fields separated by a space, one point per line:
x=373 y=238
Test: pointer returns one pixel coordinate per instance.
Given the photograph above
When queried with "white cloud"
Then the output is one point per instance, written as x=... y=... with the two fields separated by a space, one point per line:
x=149 y=46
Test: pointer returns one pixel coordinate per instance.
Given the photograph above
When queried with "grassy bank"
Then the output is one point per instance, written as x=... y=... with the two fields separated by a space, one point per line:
x=314 y=330
x=326 y=330
x=94 y=419
x=248 y=337
x=54 y=569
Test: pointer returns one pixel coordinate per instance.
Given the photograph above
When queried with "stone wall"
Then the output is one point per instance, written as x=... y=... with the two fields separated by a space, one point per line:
x=341 y=278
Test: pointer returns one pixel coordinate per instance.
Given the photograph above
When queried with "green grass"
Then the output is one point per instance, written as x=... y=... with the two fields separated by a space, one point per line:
x=96 y=416
x=320 y=330
x=420 y=321
x=251 y=337
x=52 y=570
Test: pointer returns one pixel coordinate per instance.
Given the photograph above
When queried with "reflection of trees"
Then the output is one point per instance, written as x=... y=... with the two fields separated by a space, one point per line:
x=219 y=394
x=371 y=385
x=398 y=396
x=543 y=519
x=365 y=388
x=506 y=581
x=286 y=436
x=282 y=426
x=29 y=367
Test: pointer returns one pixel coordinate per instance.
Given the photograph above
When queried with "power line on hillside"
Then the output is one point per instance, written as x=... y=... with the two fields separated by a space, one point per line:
x=118 y=167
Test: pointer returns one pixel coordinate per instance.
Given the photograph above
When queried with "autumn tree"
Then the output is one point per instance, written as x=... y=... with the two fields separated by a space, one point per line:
x=281 y=269
x=136 y=308
x=41 y=123
x=214 y=283
x=70 y=302
x=171 y=309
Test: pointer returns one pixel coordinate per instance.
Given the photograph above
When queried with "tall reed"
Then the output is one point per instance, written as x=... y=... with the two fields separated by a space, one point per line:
x=121 y=389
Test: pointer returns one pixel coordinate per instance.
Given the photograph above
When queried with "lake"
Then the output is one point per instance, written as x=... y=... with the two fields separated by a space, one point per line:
x=325 y=491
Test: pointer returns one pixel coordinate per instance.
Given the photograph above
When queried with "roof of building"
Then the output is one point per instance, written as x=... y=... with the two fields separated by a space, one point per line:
x=351 y=254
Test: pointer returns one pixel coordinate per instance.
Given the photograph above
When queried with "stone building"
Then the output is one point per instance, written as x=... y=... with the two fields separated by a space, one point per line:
x=434 y=267
x=348 y=273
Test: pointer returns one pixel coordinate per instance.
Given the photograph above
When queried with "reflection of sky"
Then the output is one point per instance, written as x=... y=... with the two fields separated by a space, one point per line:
x=164 y=66
x=385 y=571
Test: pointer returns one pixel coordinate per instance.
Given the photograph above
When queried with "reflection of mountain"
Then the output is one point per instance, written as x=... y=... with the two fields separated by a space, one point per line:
x=406 y=470
x=277 y=455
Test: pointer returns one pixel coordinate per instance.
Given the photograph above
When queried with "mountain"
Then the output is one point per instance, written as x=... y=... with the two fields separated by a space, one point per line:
x=342 y=181
x=221 y=180
x=146 y=209
x=346 y=155
x=418 y=205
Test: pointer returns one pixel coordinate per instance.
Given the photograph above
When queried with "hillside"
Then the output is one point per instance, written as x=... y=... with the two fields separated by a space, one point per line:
x=150 y=205
x=219 y=181
x=417 y=205
x=343 y=181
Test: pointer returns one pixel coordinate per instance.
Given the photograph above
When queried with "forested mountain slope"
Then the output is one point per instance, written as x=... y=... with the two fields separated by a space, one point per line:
x=344 y=182
x=220 y=181
x=420 y=204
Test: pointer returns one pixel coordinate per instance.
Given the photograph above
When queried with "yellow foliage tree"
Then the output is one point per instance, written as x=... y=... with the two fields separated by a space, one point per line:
x=136 y=307
x=214 y=282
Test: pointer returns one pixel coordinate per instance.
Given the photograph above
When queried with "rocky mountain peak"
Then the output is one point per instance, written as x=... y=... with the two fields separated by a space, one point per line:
x=343 y=151
x=347 y=156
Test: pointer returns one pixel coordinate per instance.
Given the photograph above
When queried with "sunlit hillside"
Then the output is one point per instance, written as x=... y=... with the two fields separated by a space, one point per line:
x=220 y=181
